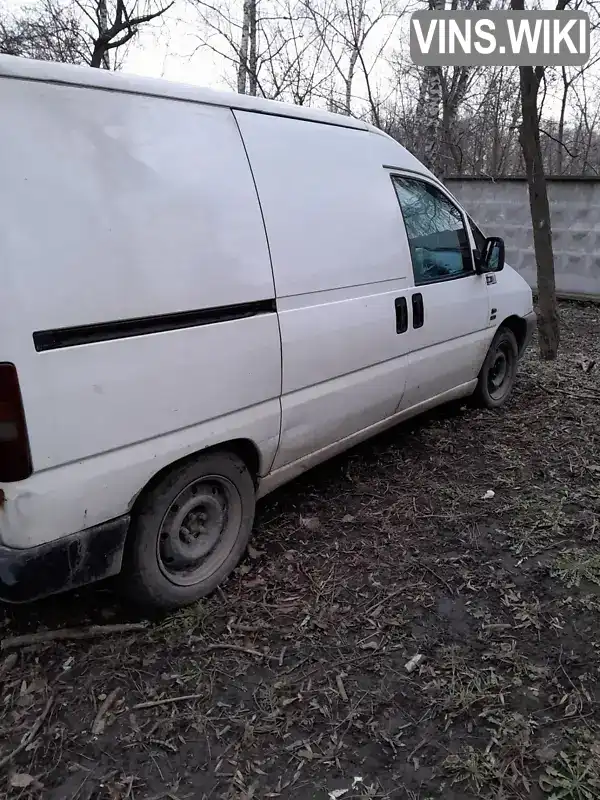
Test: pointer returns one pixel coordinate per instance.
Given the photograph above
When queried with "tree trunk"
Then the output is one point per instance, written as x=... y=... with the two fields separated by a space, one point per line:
x=102 y=29
x=561 y=123
x=253 y=58
x=548 y=324
x=97 y=53
x=496 y=141
x=349 y=81
x=431 y=110
x=242 y=75
x=452 y=99
x=422 y=95
x=431 y=118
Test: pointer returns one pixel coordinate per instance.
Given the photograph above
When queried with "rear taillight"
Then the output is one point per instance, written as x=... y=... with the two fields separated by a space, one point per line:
x=15 y=458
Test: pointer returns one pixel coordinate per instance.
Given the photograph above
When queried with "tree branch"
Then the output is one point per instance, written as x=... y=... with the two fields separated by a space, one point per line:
x=558 y=141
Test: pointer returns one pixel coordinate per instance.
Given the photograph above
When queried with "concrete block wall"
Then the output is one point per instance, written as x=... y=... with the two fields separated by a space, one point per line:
x=501 y=208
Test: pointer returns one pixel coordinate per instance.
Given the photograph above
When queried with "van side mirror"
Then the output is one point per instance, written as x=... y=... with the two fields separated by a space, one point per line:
x=492 y=258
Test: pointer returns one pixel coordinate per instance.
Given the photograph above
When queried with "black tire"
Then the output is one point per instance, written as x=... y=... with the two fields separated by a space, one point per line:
x=499 y=371
x=189 y=532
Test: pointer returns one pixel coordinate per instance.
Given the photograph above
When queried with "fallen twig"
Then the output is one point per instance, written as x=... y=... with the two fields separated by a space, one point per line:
x=98 y=726
x=167 y=701
x=421 y=744
x=212 y=647
x=65 y=634
x=574 y=395
x=31 y=735
x=386 y=599
x=438 y=577
x=341 y=688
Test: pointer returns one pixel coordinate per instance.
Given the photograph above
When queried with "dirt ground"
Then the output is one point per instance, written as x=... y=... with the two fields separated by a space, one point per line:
x=388 y=552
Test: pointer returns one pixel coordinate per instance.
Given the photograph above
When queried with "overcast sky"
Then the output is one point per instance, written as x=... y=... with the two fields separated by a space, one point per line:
x=171 y=50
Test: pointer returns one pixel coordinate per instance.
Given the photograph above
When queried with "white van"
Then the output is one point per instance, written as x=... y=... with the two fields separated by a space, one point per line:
x=203 y=296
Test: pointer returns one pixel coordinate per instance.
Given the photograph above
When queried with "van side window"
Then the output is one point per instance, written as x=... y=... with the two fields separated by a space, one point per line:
x=438 y=239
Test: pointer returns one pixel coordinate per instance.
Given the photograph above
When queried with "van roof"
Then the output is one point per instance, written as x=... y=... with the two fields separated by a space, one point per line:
x=53 y=72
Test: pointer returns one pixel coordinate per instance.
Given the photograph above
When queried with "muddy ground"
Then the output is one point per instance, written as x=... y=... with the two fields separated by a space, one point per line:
x=384 y=553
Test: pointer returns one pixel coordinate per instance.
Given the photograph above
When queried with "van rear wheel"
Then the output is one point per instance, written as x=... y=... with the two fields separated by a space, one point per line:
x=499 y=371
x=189 y=532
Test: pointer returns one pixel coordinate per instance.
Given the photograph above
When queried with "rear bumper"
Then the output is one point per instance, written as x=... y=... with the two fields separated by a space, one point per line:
x=66 y=563
x=531 y=322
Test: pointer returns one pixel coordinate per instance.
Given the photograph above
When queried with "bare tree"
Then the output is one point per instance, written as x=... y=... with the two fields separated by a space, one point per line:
x=116 y=25
x=344 y=27
x=562 y=81
x=548 y=322
x=75 y=31
x=48 y=31
x=273 y=47
x=295 y=58
x=586 y=134
x=442 y=92
x=234 y=39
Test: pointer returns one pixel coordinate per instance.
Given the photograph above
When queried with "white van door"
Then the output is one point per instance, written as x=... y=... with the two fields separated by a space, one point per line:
x=342 y=274
x=450 y=320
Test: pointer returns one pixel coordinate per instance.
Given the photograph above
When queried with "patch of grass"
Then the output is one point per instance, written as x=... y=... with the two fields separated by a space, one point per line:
x=507 y=767
x=502 y=767
x=573 y=566
x=572 y=776
x=463 y=693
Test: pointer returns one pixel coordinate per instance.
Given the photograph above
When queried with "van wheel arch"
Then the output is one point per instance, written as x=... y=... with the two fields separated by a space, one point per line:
x=245 y=449
x=518 y=326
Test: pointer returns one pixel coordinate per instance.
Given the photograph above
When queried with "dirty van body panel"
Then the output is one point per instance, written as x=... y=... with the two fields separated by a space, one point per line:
x=150 y=332
x=531 y=323
x=70 y=501
x=67 y=563
x=292 y=470
x=322 y=189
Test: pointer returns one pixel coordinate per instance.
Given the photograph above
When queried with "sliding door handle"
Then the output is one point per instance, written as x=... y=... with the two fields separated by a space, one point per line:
x=401 y=314
x=418 y=310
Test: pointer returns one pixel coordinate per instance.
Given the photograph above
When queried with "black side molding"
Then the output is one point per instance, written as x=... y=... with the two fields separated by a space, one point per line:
x=57 y=338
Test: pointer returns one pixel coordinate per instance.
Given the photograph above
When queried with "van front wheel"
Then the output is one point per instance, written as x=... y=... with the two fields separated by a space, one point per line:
x=499 y=371
x=190 y=532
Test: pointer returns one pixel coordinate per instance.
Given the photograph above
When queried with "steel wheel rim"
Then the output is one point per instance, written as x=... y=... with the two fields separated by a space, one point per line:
x=499 y=375
x=199 y=530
